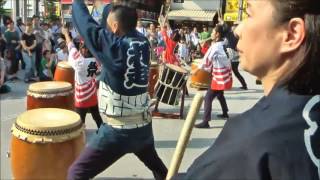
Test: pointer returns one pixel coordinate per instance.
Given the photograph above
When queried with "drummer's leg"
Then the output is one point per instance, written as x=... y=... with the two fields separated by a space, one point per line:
x=82 y=113
x=101 y=152
x=96 y=115
x=91 y=162
x=210 y=95
x=150 y=158
x=223 y=103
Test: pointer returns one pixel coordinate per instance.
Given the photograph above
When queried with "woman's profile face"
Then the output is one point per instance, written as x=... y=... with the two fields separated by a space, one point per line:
x=259 y=39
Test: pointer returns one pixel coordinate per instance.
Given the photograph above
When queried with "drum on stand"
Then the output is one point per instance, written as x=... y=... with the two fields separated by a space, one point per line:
x=171 y=80
x=200 y=80
x=50 y=94
x=153 y=77
x=64 y=72
x=45 y=142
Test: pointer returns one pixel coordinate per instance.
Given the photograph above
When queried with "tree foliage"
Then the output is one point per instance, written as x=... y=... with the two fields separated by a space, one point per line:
x=2 y=10
x=50 y=9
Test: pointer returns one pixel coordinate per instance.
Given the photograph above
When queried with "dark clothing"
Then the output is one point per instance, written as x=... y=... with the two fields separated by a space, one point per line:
x=232 y=40
x=29 y=39
x=38 y=51
x=110 y=144
x=127 y=56
x=94 y=113
x=2 y=47
x=10 y=36
x=211 y=94
x=235 y=69
x=277 y=139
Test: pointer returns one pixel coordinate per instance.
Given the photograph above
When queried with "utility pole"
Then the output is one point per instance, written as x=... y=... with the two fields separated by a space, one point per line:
x=240 y=10
x=14 y=10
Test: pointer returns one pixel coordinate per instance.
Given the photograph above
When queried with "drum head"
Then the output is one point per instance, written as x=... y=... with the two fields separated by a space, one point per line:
x=50 y=87
x=64 y=64
x=176 y=68
x=47 y=125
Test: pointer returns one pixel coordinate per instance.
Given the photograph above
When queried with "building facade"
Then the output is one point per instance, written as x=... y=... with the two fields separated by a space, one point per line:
x=194 y=13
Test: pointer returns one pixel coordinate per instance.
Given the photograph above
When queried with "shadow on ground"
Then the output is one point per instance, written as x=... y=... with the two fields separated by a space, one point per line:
x=194 y=143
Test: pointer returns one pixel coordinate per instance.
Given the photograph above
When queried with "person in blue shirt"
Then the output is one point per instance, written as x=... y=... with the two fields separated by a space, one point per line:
x=124 y=56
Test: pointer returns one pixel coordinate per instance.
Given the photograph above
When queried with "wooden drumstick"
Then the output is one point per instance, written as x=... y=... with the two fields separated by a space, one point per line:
x=185 y=135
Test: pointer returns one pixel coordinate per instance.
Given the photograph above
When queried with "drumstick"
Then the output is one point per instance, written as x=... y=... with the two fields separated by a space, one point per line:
x=185 y=135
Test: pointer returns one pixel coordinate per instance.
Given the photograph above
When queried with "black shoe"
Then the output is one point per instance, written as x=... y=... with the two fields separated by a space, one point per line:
x=223 y=116
x=202 y=125
x=244 y=88
x=258 y=82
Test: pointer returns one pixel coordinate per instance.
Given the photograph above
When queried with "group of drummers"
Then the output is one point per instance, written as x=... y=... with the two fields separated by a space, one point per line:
x=119 y=101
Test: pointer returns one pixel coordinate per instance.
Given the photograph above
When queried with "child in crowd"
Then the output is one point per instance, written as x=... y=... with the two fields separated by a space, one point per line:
x=47 y=66
x=62 y=51
x=10 y=64
x=183 y=51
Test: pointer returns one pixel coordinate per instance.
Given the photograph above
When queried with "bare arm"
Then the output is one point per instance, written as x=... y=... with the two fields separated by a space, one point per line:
x=24 y=45
x=65 y=32
x=34 y=44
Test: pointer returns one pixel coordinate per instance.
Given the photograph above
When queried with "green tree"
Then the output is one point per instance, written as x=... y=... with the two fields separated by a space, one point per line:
x=2 y=10
x=50 y=9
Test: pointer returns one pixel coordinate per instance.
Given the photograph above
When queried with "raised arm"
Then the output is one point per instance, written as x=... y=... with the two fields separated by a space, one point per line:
x=88 y=28
x=92 y=33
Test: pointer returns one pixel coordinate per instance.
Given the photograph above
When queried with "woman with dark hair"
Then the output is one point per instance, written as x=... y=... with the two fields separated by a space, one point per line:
x=278 y=138
x=216 y=62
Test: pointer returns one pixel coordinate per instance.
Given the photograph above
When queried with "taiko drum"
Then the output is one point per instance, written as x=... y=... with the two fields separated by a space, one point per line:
x=200 y=80
x=50 y=94
x=45 y=142
x=64 y=72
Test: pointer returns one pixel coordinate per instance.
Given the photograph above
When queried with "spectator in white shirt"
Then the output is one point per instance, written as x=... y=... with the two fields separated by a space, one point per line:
x=140 y=28
x=183 y=51
x=48 y=37
x=194 y=36
x=62 y=51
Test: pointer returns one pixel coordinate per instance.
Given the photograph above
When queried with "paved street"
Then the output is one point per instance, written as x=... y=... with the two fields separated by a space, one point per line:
x=166 y=131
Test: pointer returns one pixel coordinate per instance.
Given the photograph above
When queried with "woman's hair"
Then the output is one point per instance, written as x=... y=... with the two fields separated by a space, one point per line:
x=306 y=78
x=176 y=36
x=45 y=52
x=220 y=29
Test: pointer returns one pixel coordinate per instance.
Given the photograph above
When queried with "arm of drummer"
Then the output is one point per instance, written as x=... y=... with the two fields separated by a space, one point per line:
x=93 y=34
x=73 y=52
x=65 y=32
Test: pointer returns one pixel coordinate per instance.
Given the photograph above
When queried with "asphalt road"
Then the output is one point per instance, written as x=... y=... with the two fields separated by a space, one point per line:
x=166 y=131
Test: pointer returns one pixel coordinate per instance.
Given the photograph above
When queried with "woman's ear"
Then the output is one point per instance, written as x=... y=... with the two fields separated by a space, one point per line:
x=294 y=33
